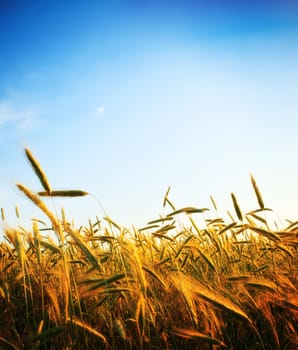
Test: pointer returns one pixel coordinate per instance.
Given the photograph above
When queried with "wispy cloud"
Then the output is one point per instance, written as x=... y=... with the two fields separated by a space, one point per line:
x=23 y=118
x=100 y=110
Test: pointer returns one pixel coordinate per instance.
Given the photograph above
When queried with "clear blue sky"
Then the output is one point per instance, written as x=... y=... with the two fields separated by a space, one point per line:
x=124 y=98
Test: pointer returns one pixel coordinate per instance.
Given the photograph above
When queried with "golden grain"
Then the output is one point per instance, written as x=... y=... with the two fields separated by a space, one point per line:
x=38 y=171
x=132 y=289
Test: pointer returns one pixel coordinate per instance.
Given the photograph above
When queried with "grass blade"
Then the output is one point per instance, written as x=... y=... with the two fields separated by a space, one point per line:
x=191 y=334
x=85 y=249
x=48 y=333
x=270 y=235
x=87 y=328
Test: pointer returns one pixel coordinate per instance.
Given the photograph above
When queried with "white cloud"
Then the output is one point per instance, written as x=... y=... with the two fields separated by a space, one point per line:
x=23 y=118
x=100 y=110
x=7 y=113
x=26 y=123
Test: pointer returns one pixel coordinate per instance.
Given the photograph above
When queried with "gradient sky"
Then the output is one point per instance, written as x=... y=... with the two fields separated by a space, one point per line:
x=124 y=98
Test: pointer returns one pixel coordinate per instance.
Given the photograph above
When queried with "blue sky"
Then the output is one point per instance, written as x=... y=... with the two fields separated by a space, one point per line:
x=124 y=98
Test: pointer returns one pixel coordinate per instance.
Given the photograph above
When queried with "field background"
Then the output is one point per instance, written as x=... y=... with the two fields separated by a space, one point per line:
x=123 y=98
x=156 y=123
x=173 y=284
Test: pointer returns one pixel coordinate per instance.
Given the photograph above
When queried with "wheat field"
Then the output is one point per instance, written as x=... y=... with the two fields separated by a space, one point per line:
x=174 y=284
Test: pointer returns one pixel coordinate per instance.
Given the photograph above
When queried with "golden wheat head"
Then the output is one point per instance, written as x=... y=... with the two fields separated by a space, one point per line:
x=38 y=171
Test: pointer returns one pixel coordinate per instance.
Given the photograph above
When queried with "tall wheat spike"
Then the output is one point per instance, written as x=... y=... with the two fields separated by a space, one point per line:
x=38 y=171
x=37 y=201
x=63 y=193
x=257 y=192
x=236 y=207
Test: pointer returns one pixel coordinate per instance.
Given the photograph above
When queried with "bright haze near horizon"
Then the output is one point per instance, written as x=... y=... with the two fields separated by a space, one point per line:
x=125 y=98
